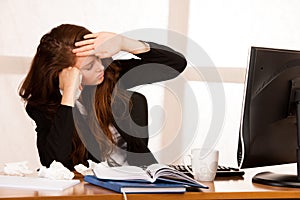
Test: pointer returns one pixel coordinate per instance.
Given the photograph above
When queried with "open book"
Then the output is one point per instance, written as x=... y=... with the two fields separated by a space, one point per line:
x=151 y=174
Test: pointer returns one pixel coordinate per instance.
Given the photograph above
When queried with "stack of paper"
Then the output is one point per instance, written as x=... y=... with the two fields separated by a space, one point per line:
x=35 y=183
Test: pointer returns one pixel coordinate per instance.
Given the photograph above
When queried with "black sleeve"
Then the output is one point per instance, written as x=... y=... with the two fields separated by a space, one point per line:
x=159 y=64
x=54 y=137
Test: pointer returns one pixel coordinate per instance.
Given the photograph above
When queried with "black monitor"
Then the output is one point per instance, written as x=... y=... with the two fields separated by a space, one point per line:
x=268 y=132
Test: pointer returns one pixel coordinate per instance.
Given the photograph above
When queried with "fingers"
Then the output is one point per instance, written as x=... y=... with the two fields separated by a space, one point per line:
x=84 y=48
x=80 y=87
x=85 y=42
x=61 y=77
x=69 y=75
x=91 y=35
x=91 y=43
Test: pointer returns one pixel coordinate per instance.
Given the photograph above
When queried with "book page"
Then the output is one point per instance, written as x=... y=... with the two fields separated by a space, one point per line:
x=151 y=174
x=155 y=168
x=121 y=173
x=166 y=173
x=161 y=170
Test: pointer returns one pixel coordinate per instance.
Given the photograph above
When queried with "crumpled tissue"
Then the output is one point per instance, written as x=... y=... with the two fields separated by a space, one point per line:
x=56 y=171
x=80 y=168
x=17 y=168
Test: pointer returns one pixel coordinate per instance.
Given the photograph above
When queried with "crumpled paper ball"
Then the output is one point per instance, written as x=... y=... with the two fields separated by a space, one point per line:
x=17 y=168
x=80 y=168
x=56 y=171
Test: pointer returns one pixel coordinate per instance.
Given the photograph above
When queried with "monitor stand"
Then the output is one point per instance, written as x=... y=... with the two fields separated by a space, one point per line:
x=274 y=179
x=284 y=180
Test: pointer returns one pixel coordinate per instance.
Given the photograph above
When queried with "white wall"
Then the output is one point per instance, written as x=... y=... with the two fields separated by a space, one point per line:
x=227 y=28
x=16 y=128
x=24 y=22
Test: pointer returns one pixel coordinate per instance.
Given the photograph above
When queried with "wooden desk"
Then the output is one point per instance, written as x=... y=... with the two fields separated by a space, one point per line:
x=221 y=188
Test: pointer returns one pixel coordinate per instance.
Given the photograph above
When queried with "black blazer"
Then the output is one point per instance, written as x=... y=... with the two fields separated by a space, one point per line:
x=54 y=136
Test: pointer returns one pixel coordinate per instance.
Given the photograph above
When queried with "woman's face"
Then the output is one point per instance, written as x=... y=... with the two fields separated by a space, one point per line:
x=91 y=69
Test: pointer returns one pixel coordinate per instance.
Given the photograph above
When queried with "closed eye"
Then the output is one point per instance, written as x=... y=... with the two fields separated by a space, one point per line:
x=88 y=66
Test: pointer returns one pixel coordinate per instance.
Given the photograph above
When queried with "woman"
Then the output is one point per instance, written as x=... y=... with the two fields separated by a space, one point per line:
x=77 y=95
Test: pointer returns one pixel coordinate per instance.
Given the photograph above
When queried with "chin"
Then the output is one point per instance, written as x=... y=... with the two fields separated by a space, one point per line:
x=100 y=81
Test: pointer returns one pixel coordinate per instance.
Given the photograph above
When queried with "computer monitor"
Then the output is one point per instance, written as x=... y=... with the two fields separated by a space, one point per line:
x=268 y=132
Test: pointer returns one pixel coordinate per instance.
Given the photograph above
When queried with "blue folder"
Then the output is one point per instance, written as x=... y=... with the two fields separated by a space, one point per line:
x=135 y=186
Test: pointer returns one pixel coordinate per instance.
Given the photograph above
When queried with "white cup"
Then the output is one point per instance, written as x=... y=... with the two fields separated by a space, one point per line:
x=204 y=163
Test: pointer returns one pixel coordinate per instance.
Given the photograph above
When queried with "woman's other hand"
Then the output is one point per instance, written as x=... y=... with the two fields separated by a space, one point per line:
x=102 y=44
x=107 y=44
x=70 y=85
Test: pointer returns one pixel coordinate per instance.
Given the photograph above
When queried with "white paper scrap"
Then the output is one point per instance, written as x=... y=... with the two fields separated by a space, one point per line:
x=80 y=168
x=56 y=171
x=17 y=168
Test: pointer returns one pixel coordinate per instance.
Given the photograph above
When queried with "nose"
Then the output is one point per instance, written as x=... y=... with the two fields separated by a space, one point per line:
x=99 y=66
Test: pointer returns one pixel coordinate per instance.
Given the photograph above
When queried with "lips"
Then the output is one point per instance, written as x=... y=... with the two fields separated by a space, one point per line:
x=100 y=75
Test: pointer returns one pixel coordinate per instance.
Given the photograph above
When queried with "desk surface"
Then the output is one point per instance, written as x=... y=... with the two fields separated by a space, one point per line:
x=221 y=188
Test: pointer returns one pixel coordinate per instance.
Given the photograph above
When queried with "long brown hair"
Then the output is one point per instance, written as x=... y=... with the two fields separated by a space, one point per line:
x=40 y=88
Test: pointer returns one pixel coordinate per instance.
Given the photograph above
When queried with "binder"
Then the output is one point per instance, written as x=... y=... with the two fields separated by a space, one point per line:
x=136 y=187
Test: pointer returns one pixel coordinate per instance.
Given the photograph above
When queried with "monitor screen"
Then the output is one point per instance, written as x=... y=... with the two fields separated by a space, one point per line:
x=268 y=132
